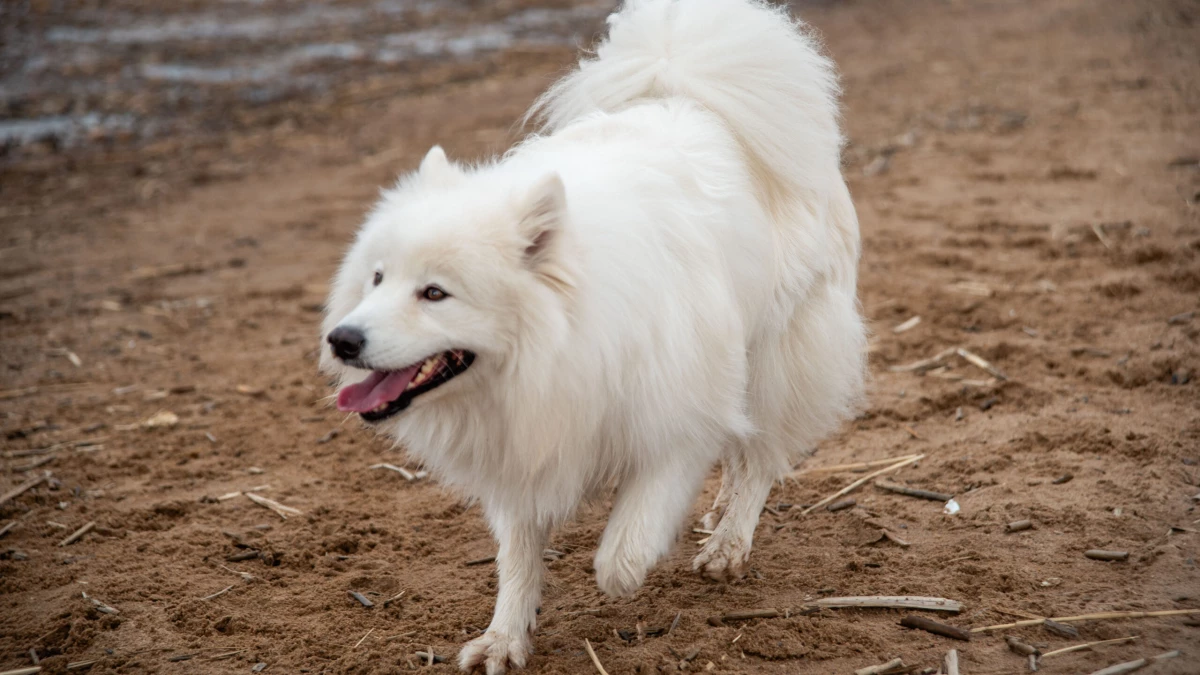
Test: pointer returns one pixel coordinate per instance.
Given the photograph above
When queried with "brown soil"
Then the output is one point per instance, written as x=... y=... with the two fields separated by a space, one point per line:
x=1044 y=152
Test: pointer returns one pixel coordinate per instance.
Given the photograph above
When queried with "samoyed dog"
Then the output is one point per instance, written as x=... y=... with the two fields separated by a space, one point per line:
x=661 y=279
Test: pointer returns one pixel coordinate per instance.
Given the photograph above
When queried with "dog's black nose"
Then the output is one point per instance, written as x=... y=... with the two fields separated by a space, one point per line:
x=347 y=343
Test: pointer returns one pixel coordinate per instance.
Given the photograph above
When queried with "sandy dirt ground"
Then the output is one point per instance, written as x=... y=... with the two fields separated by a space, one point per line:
x=178 y=181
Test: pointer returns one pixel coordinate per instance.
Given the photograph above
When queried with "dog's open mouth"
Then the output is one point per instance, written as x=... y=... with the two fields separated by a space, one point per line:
x=387 y=392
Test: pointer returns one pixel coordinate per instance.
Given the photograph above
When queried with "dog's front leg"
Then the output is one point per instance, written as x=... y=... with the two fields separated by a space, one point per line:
x=508 y=640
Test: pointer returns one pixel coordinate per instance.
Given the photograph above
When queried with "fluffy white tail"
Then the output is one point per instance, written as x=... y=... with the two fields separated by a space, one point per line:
x=763 y=74
x=744 y=60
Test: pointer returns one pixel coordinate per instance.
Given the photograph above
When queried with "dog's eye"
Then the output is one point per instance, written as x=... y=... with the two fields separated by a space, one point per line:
x=434 y=293
x=378 y=278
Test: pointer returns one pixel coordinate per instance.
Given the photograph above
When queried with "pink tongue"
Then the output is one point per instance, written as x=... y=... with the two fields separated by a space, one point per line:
x=377 y=389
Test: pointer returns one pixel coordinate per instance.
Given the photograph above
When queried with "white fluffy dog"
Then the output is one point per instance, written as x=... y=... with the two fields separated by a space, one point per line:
x=664 y=278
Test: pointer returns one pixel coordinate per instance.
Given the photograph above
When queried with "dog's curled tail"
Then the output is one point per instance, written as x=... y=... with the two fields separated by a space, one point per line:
x=744 y=60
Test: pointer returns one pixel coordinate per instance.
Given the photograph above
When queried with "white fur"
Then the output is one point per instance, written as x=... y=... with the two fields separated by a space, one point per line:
x=664 y=279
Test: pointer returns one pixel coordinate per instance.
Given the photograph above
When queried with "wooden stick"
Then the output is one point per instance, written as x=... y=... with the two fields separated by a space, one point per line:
x=893 y=601
x=23 y=671
x=1089 y=645
x=952 y=662
x=747 y=614
x=218 y=594
x=394 y=598
x=595 y=661
x=1101 y=616
x=1130 y=666
x=480 y=561
x=362 y=599
x=279 y=509
x=27 y=485
x=77 y=534
x=875 y=670
x=842 y=504
x=871 y=476
x=1097 y=554
x=7 y=528
x=1018 y=526
x=913 y=621
x=913 y=492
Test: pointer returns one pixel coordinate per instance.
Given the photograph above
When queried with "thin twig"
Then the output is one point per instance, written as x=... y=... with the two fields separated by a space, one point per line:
x=876 y=670
x=218 y=594
x=1098 y=230
x=1101 y=616
x=871 y=476
x=77 y=534
x=27 y=485
x=856 y=466
x=364 y=637
x=913 y=492
x=1130 y=666
x=279 y=509
x=923 y=364
x=977 y=360
x=595 y=661
x=100 y=606
x=1089 y=645
x=408 y=475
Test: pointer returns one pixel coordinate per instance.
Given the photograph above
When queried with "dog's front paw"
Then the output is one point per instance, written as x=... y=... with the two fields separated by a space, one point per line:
x=496 y=652
x=723 y=558
x=618 y=574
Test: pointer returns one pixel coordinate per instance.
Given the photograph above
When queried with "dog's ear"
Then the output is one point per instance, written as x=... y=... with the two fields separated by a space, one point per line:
x=436 y=166
x=541 y=228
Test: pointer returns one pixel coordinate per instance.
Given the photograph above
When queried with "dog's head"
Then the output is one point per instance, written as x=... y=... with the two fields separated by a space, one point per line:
x=445 y=281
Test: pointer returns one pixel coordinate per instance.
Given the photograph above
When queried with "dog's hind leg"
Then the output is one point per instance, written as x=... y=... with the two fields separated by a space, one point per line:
x=728 y=476
x=650 y=508
x=748 y=482
x=508 y=640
